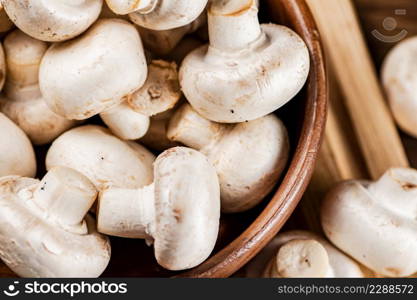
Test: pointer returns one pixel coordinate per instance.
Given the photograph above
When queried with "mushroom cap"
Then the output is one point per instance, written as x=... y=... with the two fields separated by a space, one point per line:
x=23 y=58
x=187 y=208
x=32 y=245
x=249 y=160
x=249 y=157
x=339 y=264
x=169 y=14
x=125 y=123
x=375 y=223
x=248 y=84
x=106 y=160
x=17 y=156
x=301 y=259
x=399 y=77
x=109 y=56
x=28 y=110
x=161 y=90
x=53 y=21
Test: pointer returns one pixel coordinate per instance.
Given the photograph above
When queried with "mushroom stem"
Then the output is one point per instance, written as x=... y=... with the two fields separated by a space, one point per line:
x=298 y=259
x=397 y=190
x=233 y=25
x=191 y=129
x=127 y=213
x=65 y=195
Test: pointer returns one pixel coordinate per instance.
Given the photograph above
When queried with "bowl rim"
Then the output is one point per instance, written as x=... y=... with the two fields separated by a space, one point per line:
x=262 y=230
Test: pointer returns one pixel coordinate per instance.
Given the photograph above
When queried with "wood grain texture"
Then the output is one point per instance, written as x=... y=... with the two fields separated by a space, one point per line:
x=339 y=158
x=354 y=69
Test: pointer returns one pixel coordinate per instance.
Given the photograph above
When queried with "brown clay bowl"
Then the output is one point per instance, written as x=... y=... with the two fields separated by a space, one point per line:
x=243 y=235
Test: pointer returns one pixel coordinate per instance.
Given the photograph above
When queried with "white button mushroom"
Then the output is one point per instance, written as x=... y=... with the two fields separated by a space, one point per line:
x=160 y=92
x=375 y=222
x=43 y=230
x=16 y=152
x=180 y=210
x=103 y=158
x=95 y=72
x=248 y=70
x=162 y=42
x=399 y=76
x=51 y=20
x=24 y=103
x=159 y=14
x=249 y=157
x=297 y=253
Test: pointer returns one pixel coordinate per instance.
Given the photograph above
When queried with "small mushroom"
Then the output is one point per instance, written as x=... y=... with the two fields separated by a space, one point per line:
x=159 y=14
x=17 y=156
x=248 y=70
x=162 y=42
x=249 y=157
x=24 y=103
x=179 y=211
x=375 y=222
x=297 y=253
x=95 y=72
x=160 y=92
x=53 y=21
x=399 y=77
x=126 y=123
x=44 y=231
x=106 y=160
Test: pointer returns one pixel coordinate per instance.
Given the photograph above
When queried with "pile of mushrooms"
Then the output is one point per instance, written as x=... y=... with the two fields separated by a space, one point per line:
x=157 y=117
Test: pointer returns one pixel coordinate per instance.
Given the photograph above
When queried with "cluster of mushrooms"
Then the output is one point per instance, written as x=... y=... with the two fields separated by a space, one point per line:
x=372 y=224
x=205 y=107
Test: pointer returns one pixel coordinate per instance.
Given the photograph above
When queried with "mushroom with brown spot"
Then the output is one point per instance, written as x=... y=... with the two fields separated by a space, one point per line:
x=53 y=21
x=248 y=70
x=298 y=254
x=44 y=230
x=249 y=157
x=179 y=211
x=24 y=103
x=376 y=222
